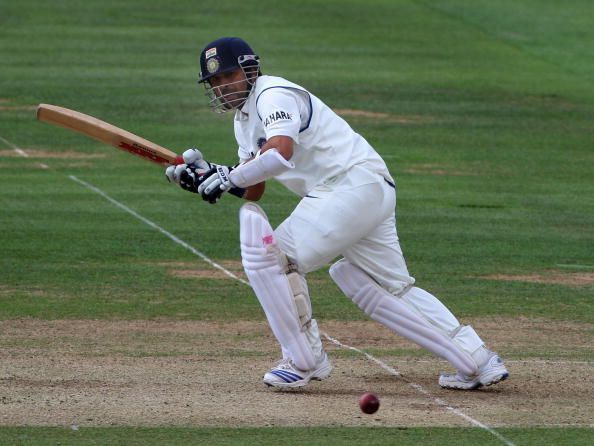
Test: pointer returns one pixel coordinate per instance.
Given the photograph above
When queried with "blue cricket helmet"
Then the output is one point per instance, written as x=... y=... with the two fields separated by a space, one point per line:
x=226 y=54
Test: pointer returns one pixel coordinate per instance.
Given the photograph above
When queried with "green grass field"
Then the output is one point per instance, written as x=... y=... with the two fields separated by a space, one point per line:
x=486 y=121
x=289 y=436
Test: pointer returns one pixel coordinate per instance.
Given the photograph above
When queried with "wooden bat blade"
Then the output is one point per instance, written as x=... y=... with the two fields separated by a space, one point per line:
x=105 y=132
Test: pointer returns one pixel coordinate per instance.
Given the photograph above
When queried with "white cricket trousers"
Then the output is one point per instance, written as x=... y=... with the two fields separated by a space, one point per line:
x=353 y=215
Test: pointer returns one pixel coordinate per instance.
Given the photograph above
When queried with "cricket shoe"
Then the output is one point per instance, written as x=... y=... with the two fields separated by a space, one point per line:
x=286 y=375
x=491 y=373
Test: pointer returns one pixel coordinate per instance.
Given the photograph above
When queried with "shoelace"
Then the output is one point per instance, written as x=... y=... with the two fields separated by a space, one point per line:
x=283 y=363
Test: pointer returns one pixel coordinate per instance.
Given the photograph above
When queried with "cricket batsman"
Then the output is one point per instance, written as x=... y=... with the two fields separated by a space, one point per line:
x=347 y=209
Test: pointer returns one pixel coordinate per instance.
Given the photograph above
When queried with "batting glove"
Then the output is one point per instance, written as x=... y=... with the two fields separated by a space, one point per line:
x=214 y=183
x=188 y=174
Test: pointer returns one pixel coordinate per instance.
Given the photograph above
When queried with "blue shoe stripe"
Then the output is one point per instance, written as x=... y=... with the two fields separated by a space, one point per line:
x=282 y=376
x=295 y=376
x=286 y=376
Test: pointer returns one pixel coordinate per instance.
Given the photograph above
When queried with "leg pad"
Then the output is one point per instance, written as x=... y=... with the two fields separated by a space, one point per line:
x=399 y=316
x=264 y=265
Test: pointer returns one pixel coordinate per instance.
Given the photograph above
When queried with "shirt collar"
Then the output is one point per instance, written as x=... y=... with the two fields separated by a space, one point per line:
x=242 y=114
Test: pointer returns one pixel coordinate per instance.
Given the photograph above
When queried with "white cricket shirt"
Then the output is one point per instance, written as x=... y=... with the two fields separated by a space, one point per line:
x=325 y=145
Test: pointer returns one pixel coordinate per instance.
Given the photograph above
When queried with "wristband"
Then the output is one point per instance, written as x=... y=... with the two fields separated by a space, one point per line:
x=237 y=191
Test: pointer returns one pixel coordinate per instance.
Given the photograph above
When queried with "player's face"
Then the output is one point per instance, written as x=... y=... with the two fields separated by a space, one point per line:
x=231 y=88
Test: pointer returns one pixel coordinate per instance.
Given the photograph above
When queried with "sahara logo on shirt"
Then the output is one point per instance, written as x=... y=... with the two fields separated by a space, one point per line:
x=277 y=116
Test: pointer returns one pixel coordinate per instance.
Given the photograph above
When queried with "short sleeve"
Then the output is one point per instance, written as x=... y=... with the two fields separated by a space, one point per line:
x=279 y=110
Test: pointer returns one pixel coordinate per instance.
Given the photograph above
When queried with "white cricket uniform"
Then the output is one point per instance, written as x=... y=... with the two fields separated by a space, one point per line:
x=348 y=194
x=348 y=209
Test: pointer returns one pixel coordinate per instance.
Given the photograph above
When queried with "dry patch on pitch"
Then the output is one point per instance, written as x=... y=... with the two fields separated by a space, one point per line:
x=10 y=291
x=440 y=170
x=5 y=106
x=551 y=277
x=202 y=270
x=383 y=117
x=194 y=373
x=47 y=154
x=18 y=107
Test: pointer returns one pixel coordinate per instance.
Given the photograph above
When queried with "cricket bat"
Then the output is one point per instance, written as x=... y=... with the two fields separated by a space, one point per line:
x=106 y=133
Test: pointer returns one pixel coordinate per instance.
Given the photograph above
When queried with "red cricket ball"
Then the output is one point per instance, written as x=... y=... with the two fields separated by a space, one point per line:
x=178 y=160
x=369 y=403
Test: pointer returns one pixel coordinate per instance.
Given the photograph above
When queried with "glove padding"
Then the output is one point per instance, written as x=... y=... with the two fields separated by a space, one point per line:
x=215 y=183
x=188 y=175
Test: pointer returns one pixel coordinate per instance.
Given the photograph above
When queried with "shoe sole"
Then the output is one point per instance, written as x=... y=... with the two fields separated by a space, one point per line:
x=320 y=375
x=498 y=378
x=493 y=380
x=461 y=386
x=294 y=385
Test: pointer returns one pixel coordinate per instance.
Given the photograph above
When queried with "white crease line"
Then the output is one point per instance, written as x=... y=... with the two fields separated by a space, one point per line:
x=158 y=228
x=18 y=150
x=521 y=361
x=422 y=390
x=546 y=361
x=21 y=152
